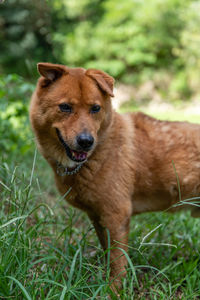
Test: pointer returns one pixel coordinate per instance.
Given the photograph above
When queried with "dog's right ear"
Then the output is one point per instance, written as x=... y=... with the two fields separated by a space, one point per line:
x=104 y=81
x=51 y=72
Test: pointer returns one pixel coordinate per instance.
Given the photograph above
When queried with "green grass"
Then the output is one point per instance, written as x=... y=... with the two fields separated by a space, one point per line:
x=49 y=250
x=44 y=252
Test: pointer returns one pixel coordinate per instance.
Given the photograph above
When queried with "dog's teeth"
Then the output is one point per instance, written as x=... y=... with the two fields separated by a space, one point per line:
x=78 y=155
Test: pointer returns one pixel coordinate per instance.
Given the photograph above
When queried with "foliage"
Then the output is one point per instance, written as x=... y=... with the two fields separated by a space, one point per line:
x=132 y=40
x=25 y=38
x=135 y=40
x=14 y=127
x=130 y=35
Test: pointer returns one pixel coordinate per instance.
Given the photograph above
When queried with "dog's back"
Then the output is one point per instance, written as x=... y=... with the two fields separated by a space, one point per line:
x=166 y=162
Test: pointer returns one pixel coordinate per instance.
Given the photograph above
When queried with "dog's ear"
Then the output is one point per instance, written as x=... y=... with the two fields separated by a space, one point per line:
x=51 y=72
x=104 y=81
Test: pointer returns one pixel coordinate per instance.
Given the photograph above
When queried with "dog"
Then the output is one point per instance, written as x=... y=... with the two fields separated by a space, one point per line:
x=116 y=165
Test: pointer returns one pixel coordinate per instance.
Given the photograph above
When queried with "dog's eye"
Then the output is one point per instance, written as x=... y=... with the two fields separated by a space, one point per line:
x=65 y=107
x=95 y=108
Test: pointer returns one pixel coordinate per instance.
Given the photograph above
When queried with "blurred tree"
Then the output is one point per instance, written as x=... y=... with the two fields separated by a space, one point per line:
x=132 y=40
x=129 y=36
x=188 y=51
x=15 y=93
x=25 y=34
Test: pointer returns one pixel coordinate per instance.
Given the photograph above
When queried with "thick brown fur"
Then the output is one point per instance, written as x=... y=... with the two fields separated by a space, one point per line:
x=134 y=165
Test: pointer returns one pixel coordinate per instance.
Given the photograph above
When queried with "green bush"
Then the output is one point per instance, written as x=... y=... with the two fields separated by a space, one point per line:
x=129 y=37
x=134 y=41
x=14 y=126
x=25 y=35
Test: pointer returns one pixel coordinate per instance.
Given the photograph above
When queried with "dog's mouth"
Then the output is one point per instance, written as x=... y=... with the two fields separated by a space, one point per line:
x=77 y=156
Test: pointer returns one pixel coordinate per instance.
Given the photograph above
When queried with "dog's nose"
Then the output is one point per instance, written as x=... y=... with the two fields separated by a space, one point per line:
x=85 y=141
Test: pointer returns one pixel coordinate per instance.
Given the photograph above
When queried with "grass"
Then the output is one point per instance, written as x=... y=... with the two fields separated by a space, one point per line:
x=49 y=250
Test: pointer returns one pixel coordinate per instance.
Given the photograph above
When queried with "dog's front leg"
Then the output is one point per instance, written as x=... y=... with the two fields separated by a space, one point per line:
x=114 y=228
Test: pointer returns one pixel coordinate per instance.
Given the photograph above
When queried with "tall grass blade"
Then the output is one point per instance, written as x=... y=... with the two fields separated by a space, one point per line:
x=24 y=291
x=13 y=221
x=131 y=266
x=62 y=297
x=33 y=167
x=5 y=186
x=72 y=269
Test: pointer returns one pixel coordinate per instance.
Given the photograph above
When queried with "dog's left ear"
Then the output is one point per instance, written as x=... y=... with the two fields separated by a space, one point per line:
x=51 y=71
x=104 y=81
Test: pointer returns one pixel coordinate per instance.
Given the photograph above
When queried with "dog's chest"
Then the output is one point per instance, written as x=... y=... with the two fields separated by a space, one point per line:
x=80 y=191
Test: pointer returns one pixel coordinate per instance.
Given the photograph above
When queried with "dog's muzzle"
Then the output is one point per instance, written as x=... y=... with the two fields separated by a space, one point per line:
x=84 y=142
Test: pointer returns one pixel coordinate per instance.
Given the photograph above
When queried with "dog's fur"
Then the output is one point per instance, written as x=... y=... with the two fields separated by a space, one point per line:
x=135 y=165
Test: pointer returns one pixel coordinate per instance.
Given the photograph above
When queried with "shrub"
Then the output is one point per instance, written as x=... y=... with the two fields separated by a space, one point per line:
x=14 y=126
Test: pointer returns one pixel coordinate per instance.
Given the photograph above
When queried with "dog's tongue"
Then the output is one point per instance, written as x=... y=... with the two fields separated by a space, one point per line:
x=80 y=155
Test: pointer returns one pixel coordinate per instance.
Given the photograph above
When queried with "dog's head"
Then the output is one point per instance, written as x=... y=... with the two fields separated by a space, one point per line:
x=70 y=110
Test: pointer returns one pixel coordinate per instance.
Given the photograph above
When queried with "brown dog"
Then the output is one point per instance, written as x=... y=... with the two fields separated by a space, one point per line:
x=117 y=165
